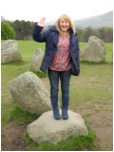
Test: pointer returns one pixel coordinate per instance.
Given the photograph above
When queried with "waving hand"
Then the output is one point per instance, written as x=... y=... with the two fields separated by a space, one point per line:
x=41 y=21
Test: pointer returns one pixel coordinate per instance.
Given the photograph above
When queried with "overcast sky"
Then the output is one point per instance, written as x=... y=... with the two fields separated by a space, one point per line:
x=33 y=10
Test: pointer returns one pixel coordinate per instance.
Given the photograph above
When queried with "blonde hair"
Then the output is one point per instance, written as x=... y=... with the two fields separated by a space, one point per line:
x=66 y=17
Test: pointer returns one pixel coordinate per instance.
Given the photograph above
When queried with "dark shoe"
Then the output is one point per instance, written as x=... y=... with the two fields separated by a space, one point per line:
x=65 y=103
x=54 y=103
x=56 y=114
x=64 y=114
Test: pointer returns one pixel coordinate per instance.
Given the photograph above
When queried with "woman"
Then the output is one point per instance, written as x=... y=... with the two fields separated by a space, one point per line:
x=61 y=58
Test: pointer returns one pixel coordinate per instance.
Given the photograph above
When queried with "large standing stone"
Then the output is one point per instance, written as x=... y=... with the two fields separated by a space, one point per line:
x=10 y=51
x=37 y=59
x=30 y=93
x=46 y=128
x=94 y=51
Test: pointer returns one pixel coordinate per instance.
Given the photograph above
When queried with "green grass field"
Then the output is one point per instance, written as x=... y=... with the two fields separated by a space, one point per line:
x=94 y=84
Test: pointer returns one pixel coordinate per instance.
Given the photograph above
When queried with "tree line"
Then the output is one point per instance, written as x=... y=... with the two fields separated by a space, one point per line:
x=22 y=30
x=103 y=33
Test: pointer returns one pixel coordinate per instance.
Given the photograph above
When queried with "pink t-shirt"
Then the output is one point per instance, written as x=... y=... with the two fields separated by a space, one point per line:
x=61 y=59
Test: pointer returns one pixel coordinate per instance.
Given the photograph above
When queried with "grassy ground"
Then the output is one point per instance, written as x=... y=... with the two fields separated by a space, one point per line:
x=93 y=86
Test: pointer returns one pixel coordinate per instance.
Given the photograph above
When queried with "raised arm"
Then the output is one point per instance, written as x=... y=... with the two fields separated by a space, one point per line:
x=37 y=34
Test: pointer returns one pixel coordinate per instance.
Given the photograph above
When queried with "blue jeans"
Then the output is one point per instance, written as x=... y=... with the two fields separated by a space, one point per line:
x=64 y=77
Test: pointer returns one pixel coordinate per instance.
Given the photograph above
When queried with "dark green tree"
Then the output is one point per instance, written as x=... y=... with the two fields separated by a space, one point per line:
x=7 y=32
x=23 y=29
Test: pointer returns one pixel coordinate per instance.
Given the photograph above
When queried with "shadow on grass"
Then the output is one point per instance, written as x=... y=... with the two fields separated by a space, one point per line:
x=20 y=117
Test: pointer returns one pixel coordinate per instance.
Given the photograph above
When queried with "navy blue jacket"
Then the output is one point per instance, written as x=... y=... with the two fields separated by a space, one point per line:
x=51 y=37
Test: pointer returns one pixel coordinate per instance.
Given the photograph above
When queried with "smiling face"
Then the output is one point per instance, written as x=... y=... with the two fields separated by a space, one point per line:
x=64 y=25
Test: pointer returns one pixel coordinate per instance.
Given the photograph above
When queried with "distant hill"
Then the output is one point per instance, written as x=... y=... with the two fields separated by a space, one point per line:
x=95 y=21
